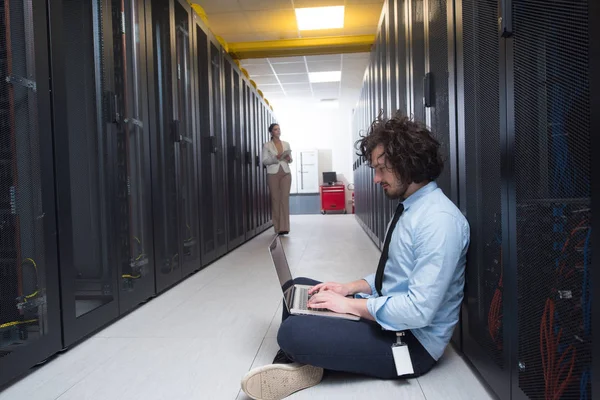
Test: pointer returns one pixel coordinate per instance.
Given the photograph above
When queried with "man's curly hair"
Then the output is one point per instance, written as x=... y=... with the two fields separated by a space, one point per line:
x=409 y=148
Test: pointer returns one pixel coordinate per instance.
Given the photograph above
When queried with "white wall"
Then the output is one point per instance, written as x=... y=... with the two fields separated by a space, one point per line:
x=310 y=126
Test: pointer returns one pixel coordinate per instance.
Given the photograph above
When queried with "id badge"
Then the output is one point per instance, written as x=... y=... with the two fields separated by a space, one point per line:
x=402 y=356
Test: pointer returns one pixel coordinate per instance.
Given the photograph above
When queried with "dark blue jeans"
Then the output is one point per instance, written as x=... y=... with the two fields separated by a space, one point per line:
x=359 y=347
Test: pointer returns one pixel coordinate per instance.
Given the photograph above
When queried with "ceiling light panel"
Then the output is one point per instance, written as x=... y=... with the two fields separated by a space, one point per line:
x=327 y=76
x=320 y=18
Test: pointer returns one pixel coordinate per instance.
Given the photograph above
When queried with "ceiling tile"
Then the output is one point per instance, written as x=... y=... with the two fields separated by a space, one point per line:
x=327 y=95
x=326 y=86
x=293 y=78
x=265 y=80
x=257 y=5
x=300 y=95
x=255 y=61
x=296 y=87
x=361 y=56
x=324 y=66
x=362 y=15
x=283 y=60
x=230 y=23
x=259 y=70
x=291 y=68
x=272 y=20
x=325 y=57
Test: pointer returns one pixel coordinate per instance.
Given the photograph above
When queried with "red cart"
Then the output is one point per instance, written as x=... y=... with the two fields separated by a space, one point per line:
x=333 y=198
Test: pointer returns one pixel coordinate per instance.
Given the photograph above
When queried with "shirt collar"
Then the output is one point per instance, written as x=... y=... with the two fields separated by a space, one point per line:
x=419 y=194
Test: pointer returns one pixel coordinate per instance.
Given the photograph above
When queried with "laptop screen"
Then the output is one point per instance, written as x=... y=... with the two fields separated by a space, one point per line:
x=281 y=267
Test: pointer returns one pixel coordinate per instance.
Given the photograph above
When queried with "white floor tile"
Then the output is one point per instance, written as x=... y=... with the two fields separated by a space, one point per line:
x=197 y=340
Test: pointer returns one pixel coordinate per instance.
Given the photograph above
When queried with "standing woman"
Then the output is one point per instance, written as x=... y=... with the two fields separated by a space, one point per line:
x=276 y=156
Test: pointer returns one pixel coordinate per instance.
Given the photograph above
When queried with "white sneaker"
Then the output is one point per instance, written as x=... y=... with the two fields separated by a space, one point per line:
x=278 y=381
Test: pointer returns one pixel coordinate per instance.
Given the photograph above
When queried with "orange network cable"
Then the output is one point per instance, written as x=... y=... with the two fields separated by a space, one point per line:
x=554 y=374
x=495 y=313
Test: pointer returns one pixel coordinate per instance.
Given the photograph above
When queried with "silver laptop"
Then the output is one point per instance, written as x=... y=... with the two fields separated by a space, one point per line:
x=296 y=297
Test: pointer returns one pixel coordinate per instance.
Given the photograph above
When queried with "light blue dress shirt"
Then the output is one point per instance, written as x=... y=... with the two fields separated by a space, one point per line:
x=424 y=275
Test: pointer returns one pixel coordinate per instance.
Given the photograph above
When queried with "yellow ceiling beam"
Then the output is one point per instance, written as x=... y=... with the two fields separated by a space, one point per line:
x=302 y=47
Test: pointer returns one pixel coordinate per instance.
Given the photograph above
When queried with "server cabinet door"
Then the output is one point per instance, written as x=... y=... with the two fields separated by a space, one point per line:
x=165 y=147
x=552 y=193
x=417 y=51
x=250 y=170
x=185 y=137
x=233 y=181
x=263 y=138
x=219 y=162
x=134 y=249
x=479 y=113
x=258 y=172
x=207 y=145
x=86 y=118
x=30 y=329
x=402 y=55
x=438 y=83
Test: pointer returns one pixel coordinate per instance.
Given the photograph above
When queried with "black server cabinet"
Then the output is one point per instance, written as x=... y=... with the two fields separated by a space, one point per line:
x=548 y=167
x=131 y=160
x=249 y=162
x=402 y=54
x=480 y=148
x=30 y=327
x=207 y=145
x=258 y=169
x=236 y=234
x=438 y=83
x=85 y=122
x=416 y=20
x=175 y=199
x=218 y=151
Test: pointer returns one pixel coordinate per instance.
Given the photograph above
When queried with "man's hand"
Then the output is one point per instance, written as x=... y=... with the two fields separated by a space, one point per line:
x=331 y=301
x=334 y=287
x=340 y=304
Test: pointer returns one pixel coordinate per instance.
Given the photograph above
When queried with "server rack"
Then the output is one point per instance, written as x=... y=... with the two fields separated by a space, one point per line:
x=250 y=174
x=131 y=147
x=512 y=102
x=206 y=144
x=85 y=129
x=174 y=149
x=234 y=160
x=218 y=137
x=30 y=329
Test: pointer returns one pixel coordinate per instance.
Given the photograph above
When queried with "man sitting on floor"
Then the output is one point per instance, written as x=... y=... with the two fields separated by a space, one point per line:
x=417 y=289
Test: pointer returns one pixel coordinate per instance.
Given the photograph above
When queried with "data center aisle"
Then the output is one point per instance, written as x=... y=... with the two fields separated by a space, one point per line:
x=197 y=340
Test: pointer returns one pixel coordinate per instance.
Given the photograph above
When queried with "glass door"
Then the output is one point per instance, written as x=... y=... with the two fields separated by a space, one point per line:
x=164 y=147
x=86 y=119
x=30 y=329
x=185 y=138
x=132 y=157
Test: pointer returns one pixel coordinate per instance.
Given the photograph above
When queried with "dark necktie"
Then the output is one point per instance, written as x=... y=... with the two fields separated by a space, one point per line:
x=386 y=246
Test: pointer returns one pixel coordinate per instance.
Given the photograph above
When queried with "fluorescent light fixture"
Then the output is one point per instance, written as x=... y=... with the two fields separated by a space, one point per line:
x=321 y=77
x=313 y=18
x=329 y=103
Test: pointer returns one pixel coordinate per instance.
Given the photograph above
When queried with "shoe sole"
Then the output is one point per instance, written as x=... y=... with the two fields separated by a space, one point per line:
x=278 y=381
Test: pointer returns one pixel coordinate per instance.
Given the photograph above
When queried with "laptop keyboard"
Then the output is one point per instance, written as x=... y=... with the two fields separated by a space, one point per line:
x=304 y=297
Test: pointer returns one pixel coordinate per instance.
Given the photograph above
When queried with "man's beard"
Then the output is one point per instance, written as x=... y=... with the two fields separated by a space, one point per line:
x=398 y=194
